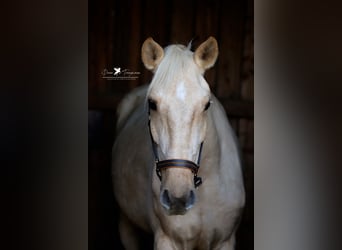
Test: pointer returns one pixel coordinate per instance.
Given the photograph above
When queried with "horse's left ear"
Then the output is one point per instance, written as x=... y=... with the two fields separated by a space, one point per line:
x=151 y=54
x=206 y=54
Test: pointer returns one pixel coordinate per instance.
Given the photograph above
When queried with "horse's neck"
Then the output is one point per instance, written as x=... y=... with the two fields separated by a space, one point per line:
x=211 y=149
x=221 y=151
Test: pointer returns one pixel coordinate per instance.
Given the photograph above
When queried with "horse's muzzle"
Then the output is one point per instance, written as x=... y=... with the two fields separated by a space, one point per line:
x=177 y=205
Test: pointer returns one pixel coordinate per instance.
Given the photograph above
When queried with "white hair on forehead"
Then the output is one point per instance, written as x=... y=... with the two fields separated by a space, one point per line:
x=177 y=63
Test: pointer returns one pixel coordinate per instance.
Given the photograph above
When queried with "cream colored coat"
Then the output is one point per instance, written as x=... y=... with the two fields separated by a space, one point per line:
x=178 y=125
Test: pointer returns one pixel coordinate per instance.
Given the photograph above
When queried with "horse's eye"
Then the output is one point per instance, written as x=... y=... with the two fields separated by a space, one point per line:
x=152 y=105
x=207 y=106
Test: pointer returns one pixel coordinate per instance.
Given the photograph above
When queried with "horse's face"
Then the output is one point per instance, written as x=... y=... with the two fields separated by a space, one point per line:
x=178 y=98
x=178 y=120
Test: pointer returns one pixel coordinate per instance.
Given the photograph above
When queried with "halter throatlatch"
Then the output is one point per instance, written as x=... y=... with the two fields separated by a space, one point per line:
x=175 y=163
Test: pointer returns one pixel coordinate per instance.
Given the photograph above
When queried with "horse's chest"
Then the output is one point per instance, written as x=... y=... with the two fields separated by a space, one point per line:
x=218 y=215
x=201 y=228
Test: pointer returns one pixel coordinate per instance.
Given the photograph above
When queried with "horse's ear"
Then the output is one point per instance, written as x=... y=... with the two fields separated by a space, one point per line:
x=151 y=54
x=206 y=54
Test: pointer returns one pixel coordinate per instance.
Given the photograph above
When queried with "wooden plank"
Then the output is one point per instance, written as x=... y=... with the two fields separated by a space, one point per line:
x=134 y=41
x=247 y=74
x=238 y=108
x=109 y=40
x=182 y=26
x=206 y=24
x=92 y=43
x=157 y=21
x=97 y=45
x=156 y=18
x=231 y=42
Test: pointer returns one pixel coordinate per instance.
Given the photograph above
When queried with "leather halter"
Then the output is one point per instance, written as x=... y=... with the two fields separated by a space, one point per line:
x=175 y=163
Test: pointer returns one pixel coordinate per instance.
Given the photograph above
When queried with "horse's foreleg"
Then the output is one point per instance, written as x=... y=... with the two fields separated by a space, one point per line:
x=162 y=241
x=229 y=244
x=128 y=234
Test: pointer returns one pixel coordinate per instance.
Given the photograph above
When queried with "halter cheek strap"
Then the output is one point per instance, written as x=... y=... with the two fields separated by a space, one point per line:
x=175 y=163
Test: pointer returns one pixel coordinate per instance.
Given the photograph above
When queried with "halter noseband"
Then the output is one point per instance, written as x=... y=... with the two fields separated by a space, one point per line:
x=175 y=163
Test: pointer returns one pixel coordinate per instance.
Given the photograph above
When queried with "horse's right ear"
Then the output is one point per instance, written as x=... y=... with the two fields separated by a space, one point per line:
x=151 y=54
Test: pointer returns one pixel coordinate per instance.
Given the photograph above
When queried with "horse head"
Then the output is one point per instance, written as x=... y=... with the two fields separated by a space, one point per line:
x=178 y=99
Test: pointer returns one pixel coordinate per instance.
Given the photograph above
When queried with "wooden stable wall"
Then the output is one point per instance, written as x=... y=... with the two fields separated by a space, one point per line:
x=117 y=30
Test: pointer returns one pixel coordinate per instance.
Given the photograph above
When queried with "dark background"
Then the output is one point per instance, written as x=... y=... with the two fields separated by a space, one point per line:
x=117 y=30
x=44 y=125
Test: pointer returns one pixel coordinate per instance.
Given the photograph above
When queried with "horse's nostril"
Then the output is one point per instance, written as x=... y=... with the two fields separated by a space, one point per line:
x=165 y=199
x=177 y=205
x=191 y=200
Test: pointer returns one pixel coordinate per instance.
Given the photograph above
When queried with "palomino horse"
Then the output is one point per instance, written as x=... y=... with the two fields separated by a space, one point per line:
x=176 y=169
